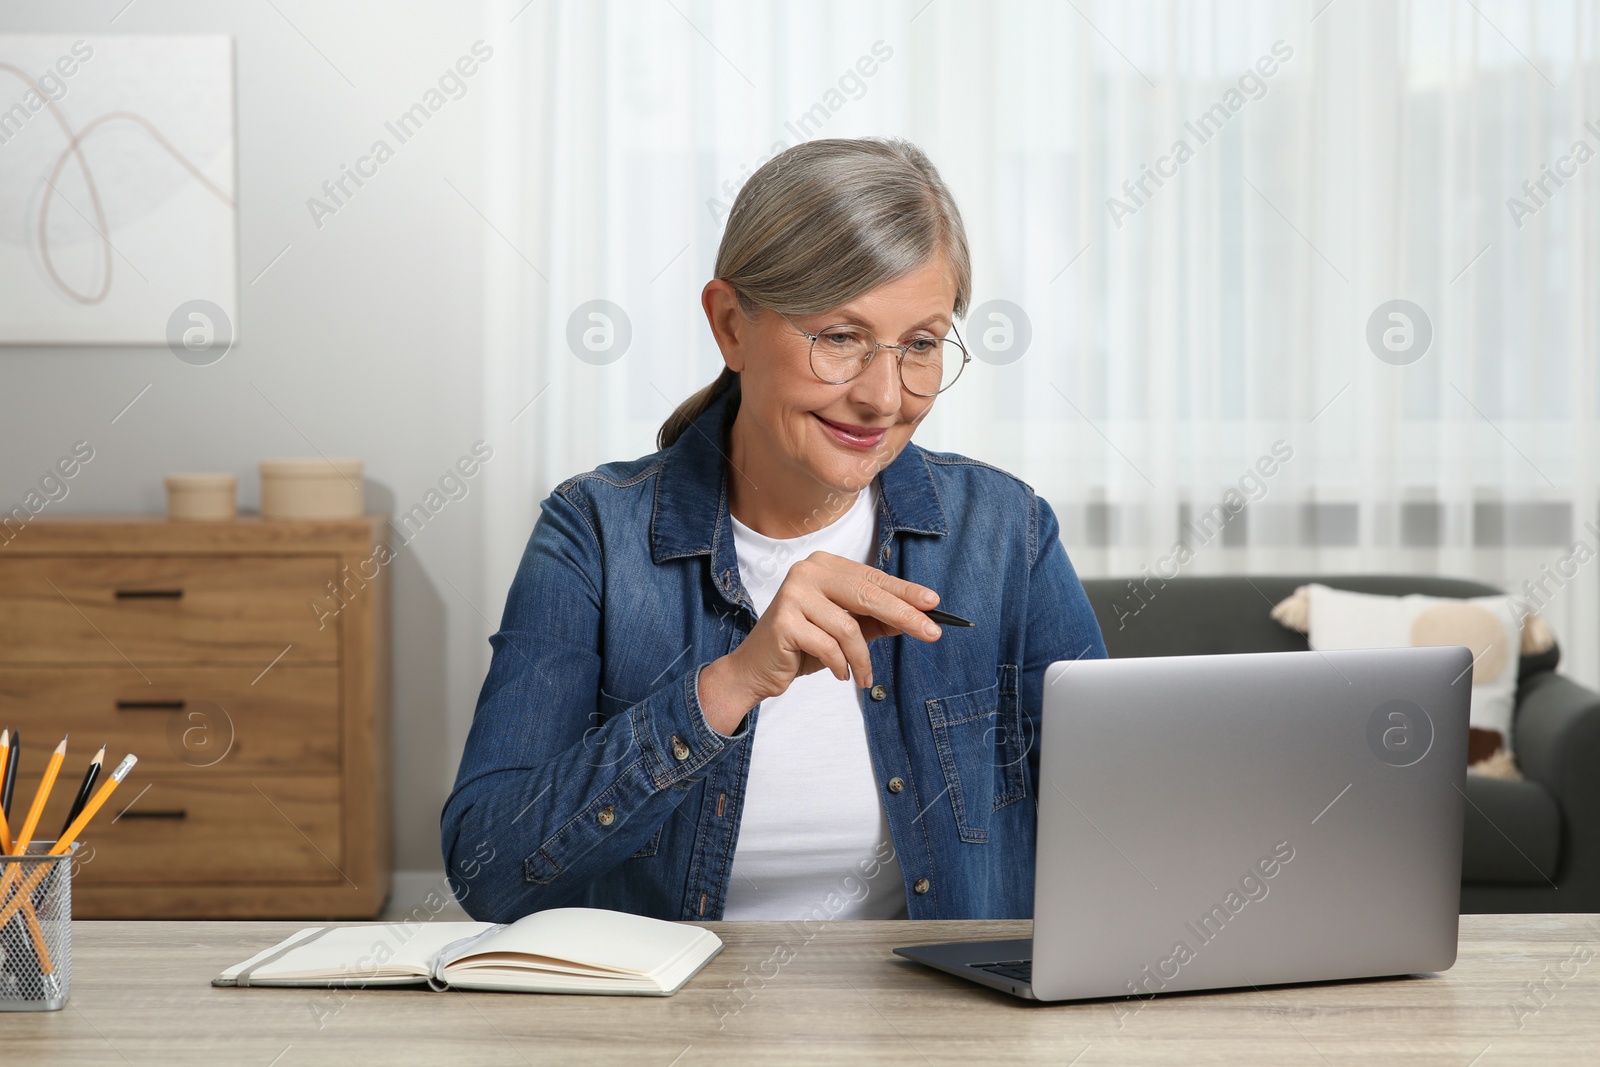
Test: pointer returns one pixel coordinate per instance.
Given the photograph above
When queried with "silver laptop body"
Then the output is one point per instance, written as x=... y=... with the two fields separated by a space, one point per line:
x=1211 y=822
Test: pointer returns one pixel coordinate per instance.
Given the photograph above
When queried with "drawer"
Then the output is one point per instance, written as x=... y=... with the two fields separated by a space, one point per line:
x=226 y=831
x=178 y=720
x=144 y=610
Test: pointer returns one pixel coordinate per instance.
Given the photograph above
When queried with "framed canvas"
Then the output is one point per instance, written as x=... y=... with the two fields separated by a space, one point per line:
x=118 y=213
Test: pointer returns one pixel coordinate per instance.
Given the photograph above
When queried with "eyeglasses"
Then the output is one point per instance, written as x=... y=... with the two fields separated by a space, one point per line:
x=928 y=365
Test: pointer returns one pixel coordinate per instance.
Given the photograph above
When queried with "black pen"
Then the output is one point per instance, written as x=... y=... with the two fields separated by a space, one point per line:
x=84 y=790
x=944 y=618
x=10 y=785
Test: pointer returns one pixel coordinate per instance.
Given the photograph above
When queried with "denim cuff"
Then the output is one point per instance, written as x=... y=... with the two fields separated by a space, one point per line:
x=677 y=741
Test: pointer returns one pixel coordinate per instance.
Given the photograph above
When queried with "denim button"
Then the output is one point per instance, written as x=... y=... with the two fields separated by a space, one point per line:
x=606 y=815
x=896 y=784
x=879 y=692
x=680 y=751
x=921 y=885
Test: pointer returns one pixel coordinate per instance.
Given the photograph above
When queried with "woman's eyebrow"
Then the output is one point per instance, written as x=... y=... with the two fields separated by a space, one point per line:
x=848 y=315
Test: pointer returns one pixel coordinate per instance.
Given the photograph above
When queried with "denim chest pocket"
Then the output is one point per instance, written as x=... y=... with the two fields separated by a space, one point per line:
x=982 y=752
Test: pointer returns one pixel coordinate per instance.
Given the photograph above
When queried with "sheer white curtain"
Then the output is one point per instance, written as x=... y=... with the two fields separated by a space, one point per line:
x=1168 y=334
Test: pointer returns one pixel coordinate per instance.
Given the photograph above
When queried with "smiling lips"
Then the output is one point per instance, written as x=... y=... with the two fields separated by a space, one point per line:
x=853 y=436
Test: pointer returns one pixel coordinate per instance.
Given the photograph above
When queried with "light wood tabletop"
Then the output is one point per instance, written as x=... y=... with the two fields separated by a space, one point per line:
x=1525 y=989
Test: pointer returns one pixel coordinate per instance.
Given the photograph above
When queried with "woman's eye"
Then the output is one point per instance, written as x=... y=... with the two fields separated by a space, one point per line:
x=922 y=345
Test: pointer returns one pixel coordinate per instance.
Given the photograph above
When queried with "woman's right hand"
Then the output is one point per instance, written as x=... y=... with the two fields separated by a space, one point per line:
x=822 y=616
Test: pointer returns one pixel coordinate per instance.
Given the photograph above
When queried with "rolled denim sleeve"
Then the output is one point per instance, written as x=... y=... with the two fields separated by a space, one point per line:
x=550 y=793
x=1061 y=623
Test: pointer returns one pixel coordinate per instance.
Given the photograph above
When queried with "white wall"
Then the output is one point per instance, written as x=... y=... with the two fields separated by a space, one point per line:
x=367 y=334
x=408 y=326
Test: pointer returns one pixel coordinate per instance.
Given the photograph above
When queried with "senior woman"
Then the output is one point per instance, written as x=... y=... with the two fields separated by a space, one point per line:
x=715 y=692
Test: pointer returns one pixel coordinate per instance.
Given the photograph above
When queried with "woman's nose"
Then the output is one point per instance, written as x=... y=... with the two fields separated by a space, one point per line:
x=879 y=385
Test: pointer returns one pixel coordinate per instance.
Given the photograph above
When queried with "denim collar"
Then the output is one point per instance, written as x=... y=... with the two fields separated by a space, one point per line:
x=691 y=502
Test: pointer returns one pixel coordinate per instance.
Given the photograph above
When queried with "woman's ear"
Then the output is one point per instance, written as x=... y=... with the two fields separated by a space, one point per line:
x=729 y=324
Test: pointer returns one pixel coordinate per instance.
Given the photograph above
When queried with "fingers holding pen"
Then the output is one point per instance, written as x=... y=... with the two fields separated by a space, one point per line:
x=847 y=635
x=824 y=615
x=886 y=605
x=819 y=644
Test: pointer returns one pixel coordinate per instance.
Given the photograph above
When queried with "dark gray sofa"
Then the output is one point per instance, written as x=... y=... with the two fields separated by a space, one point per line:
x=1532 y=845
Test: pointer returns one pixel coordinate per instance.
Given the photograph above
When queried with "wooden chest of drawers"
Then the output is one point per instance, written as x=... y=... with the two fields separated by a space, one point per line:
x=246 y=664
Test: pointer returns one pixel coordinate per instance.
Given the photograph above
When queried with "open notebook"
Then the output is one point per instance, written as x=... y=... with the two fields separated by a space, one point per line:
x=563 y=950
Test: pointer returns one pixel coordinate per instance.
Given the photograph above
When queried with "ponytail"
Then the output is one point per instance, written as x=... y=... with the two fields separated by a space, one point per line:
x=688 y=411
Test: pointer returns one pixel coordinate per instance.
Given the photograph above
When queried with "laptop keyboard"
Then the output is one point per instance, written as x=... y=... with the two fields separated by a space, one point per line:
x=1016 y=970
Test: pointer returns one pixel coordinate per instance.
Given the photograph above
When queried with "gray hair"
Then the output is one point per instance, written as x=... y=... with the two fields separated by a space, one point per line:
x=824 y=222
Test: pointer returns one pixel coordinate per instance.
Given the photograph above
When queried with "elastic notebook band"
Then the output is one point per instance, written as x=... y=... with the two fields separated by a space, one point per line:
x=243 y=977
x=447 y=955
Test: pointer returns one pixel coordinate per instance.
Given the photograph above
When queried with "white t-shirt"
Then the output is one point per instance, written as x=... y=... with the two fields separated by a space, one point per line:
x=813 y=840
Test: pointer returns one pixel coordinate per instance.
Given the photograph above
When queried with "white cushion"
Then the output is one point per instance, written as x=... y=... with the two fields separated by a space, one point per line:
x=1488 y=625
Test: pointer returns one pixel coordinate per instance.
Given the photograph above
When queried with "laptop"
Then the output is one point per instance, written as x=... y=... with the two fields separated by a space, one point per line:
x=1229 y=821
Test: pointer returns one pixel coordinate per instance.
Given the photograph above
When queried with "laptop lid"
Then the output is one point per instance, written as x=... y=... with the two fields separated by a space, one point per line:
x=1235 y=820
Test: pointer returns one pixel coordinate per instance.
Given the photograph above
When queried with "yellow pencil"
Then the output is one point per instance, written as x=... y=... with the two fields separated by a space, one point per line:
x=5 y=821
x=70 y=834
x=5 y=847
x=14 y=903
x=40 y=796
x=31 y=920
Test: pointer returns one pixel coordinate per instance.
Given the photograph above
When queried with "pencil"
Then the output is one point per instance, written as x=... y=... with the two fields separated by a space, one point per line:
x=25 y=894
x=70 y=834
x=31 y=920
x=82 y=798
x=5 y=823
x=5 y=835
x=23 y=899
x=11 y=771
x=40 y=796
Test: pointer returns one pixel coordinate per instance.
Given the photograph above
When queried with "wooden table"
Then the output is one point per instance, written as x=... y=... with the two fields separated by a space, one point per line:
x=141 y=996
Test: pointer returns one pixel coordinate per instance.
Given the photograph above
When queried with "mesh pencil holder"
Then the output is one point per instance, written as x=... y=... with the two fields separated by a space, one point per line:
x=36 y=929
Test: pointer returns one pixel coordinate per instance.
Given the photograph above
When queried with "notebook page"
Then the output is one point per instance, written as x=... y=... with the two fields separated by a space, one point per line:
x=592 y=939
x=355 y=953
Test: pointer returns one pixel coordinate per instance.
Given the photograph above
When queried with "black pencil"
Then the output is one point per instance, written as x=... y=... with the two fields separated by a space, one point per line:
x=85 y=790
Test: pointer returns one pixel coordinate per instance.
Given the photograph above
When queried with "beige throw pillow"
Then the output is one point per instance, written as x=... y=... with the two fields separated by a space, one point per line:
x=1489 y=626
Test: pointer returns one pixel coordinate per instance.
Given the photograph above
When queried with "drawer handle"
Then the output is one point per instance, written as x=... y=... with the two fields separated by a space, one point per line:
x=178 y=813
x=151 y=705
x=149 y=594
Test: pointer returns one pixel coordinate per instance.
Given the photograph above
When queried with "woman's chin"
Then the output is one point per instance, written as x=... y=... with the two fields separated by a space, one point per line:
x=853 y=476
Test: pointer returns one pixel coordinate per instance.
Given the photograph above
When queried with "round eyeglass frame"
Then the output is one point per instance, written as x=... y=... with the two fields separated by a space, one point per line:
x=900 y=363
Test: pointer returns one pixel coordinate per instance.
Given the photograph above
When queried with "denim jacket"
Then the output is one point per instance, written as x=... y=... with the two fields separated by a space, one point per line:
x=590 y=776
